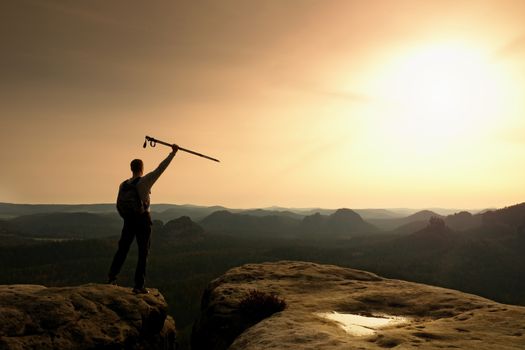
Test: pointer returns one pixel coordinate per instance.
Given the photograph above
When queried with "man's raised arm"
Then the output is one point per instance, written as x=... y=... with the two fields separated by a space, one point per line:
x=150 y=178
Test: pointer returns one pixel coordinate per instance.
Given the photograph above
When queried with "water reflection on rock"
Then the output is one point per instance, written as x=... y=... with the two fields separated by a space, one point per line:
x=359 y=325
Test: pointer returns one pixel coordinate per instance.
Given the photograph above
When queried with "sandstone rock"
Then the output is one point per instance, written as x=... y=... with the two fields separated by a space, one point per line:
x=90 y=316
x=434 y=317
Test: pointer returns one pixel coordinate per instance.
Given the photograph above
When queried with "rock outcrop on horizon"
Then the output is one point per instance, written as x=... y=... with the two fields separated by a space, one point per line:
x=181 y=229
x=91 y=316
x=432 y=317
x=343 y=223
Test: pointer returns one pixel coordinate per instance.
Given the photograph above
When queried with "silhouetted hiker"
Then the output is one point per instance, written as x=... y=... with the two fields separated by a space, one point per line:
x=133 y=205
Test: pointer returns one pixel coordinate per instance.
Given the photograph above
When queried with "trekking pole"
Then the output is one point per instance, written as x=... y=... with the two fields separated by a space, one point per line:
x=153 y=142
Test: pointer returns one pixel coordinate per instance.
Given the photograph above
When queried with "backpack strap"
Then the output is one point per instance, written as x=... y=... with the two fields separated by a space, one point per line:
x=134 y=183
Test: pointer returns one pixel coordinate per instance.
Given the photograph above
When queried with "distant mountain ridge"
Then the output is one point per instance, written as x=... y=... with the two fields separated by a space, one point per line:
x=100 y=220
x=513 y=215
x=197 y=212
x=10 y=210
x=72 y=225
x=224 y=221
x=390 y=224
x=343 y=223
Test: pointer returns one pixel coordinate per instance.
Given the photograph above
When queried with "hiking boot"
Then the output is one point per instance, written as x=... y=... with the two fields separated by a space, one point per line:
x=141 y=290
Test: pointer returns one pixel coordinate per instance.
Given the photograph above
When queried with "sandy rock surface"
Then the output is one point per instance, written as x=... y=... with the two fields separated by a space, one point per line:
x=90 y=316
x=436 y=318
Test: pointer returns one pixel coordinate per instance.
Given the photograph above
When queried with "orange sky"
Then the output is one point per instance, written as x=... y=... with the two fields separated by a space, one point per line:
x=307 y=103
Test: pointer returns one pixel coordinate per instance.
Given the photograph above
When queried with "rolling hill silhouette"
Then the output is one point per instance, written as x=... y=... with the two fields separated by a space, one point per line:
x=67 y=225
x=229 y=223
x=392 y=224
x=343 y=223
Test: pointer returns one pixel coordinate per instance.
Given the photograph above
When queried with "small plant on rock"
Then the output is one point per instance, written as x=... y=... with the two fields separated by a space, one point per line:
x=257 y=305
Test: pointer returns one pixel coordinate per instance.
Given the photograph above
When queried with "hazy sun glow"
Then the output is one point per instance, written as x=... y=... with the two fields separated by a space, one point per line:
x=341 y=103
x=440 y=96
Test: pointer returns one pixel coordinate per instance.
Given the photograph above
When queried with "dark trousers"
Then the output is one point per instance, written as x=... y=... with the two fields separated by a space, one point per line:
x=140 y=228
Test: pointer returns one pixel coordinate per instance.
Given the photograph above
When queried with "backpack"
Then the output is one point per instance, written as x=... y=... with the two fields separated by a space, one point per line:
x=129 y=203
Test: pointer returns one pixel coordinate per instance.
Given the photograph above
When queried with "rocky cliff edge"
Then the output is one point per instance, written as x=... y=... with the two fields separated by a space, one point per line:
x=91 y=316
x=327 y=307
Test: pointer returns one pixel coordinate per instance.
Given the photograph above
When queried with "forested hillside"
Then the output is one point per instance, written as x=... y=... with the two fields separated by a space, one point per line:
x=486 y=260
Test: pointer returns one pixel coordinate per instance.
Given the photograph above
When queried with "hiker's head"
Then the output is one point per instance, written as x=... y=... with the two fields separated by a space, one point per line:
x=137 y=166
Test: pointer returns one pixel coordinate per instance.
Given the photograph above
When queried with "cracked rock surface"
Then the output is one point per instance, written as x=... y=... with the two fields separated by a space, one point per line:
x=436 y=317
x=89 y=316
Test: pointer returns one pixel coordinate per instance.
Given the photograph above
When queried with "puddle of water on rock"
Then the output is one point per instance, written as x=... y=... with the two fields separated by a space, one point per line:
x=362 y=325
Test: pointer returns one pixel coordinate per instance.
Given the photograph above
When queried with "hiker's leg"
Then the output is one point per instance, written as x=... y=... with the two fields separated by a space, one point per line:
x=143 y=243
x=126 y=238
